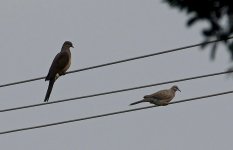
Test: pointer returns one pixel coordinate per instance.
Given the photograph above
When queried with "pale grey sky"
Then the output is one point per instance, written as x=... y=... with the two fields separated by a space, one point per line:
x=32 y=33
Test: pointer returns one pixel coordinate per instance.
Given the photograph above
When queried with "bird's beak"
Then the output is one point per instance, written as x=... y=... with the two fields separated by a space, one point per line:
x=72 y=46
x=178 y=89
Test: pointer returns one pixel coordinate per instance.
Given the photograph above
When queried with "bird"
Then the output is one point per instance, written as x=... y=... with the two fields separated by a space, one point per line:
x=160 y=98
x=59 y=66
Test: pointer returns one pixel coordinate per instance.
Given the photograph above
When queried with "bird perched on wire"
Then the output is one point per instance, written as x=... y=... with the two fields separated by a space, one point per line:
x=59 y=66
x=160 y=98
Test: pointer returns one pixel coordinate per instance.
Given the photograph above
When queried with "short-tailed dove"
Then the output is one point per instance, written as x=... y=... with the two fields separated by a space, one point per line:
x=160 y=98
x=59 y=66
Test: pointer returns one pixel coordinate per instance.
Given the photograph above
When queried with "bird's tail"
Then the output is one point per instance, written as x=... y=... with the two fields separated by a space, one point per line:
x=49 y=90
x=137 y=102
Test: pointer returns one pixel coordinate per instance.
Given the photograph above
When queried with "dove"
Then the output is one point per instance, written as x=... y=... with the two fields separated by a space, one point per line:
x=160 y=98
x=60 y=65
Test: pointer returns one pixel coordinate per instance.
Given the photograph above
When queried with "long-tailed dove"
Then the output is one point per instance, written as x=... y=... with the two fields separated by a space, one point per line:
x=160 y=98
x=59 y=66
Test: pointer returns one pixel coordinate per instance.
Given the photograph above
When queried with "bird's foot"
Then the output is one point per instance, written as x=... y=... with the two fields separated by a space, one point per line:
x=63 y=73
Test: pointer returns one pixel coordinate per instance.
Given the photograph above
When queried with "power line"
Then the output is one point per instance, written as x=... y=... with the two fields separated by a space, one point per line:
x=115 y=91
x=122 y=61
x=110 y=114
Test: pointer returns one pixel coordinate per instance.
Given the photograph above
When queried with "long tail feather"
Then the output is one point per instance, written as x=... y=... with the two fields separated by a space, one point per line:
x=141 y=101
x=49 y=90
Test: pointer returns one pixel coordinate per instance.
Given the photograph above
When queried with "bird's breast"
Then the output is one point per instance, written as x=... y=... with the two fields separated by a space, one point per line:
x=68 y=65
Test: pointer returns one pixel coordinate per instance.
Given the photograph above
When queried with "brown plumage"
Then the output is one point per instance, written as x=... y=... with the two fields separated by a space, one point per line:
x=160 y=98
x=60 y=65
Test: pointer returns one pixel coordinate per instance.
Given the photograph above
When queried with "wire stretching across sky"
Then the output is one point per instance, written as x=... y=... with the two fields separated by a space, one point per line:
x=116 y=91
x=110 y=114
x=124 y=60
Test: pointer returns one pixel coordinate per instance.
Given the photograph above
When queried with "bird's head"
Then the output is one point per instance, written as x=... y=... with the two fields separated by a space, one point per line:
x=175 y=88
x=68 y=44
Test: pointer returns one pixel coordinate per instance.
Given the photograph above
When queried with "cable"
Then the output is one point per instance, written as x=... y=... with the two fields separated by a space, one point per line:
x=109 y=114
x=124 y=60
x=116 y=91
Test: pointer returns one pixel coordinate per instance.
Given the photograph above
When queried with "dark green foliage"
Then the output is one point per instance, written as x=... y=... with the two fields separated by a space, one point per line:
x=218 y=14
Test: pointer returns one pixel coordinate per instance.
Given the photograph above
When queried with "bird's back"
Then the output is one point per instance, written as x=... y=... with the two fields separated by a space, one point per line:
x=160 y=95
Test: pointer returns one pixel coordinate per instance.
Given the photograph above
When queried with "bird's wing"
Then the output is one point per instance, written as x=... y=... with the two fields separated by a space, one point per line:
x=163 y=94
x=60 y=61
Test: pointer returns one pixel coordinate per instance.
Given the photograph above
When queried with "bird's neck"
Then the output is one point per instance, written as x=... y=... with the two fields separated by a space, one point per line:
x=65 y=48
x=173 y=91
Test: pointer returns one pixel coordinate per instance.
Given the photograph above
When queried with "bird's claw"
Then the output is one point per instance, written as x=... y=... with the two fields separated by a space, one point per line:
x=62 y=74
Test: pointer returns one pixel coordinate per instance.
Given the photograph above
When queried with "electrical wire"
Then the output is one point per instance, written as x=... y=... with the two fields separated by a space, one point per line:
x=110 y=114
x=122 y=61
x=116 y=91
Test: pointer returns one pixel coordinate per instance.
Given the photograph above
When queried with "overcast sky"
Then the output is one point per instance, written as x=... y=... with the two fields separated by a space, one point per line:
x=32 y=33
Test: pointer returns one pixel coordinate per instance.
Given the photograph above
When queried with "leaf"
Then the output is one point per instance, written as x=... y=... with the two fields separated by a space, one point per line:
x=230 y=48
x=192 y=20
x=208 y=32
x=213 y=52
